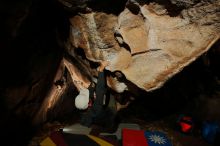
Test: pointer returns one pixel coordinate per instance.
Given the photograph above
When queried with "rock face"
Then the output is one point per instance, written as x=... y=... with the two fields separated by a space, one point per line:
x=149 y=41
x=144 y=42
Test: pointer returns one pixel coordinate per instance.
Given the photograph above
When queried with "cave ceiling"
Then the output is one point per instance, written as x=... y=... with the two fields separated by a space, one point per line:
x=145 y=41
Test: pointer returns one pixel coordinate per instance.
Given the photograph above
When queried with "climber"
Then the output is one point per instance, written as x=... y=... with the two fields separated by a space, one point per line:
x=95 y=111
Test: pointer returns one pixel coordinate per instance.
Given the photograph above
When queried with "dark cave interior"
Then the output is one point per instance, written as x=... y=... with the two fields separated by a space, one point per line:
x=31 y=42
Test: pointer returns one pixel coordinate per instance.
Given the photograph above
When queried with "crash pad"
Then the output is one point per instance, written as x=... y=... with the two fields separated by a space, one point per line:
x=131 y=137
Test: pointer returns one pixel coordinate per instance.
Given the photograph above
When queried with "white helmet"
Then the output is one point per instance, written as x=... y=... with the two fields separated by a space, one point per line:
x=82 y=100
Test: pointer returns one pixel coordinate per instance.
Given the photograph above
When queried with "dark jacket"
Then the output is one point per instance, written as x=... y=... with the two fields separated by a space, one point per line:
x=96 y=111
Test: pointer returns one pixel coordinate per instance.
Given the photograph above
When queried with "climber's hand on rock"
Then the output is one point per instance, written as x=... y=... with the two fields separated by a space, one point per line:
x=103 y=65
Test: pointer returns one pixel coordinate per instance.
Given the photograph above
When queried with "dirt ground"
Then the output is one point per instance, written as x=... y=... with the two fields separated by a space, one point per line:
x=165 y=125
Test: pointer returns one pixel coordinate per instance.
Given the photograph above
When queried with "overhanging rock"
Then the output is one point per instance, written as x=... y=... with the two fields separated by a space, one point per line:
x=150 y=46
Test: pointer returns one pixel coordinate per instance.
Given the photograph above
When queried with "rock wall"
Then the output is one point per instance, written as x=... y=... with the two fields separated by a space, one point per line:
x=145 y=42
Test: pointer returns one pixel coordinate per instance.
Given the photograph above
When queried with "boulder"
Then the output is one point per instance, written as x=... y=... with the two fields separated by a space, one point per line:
x=144 y=42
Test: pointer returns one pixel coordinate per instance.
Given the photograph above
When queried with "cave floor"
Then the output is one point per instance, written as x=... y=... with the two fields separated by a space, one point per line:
x=164 y=125
x=177 y=138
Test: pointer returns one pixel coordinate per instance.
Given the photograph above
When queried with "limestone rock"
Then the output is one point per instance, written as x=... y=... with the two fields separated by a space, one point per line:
x=116 y=85
x=94 y=33
x=148 y=46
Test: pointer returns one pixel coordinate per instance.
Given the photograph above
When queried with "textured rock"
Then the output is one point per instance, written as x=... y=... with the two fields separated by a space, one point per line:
x=144 y=42
x=171 y=47
x=116 y=85
x=94 y=33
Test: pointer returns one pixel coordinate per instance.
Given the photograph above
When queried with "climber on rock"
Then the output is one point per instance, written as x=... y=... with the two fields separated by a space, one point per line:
x=87 y=95
x=92 y=99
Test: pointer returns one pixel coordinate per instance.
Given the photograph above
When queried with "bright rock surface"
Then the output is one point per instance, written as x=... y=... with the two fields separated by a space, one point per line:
x=149 y=47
